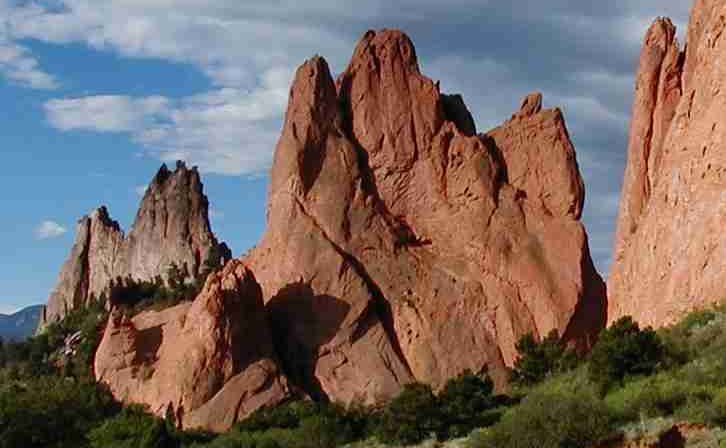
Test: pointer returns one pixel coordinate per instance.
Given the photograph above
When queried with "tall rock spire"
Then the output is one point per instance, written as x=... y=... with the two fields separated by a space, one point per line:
x=657 y=93
x=670 y=250
x=401 y=246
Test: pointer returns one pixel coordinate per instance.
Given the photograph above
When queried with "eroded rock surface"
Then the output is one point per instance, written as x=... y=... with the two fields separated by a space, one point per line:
x=172 y=226
x=402 y=246
x=212 y=361
x=670 y=250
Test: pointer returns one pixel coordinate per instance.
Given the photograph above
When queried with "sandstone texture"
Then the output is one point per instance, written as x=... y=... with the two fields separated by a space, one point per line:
x=669 y=250
x=212 y=361
x=172 y=226
x=403 y=246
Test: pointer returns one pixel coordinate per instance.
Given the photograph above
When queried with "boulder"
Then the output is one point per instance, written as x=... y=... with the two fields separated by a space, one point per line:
x=211 y=361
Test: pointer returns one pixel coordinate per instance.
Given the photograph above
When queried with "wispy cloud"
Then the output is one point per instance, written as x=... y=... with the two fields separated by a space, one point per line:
x=48 y=230
x=19 y=67
x=226 y=131
x=106 y=113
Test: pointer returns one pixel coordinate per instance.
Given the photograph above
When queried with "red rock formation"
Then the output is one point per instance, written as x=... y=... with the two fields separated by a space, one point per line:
x=657 y=92
x=172 y=226
x=211 y=360
x=669 y=250
x=400 y=246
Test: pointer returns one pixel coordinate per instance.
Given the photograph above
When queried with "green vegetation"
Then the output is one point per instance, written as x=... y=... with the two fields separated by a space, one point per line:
x=296 y=425
x=538 y=361
x=551 y=419
x=636 y=383
x=623 y=351
x=136 y=296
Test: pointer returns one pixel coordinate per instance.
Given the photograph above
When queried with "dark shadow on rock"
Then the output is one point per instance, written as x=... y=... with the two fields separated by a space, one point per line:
x=455 y=110
x=302 y=322
x=148 y=342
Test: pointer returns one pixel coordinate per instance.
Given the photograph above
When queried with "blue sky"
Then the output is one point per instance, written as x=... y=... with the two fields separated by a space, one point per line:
x=95 y=94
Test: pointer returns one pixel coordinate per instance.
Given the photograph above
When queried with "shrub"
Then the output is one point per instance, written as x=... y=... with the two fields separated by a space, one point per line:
x=547 y=419
x=299 y=425
x=413 y=416
x=624 y=350
x=660 y=396
x=537 y=361
x=719 y=407
x=51 y=412
x=464 y=403
x=130 y=428
x=678 y=340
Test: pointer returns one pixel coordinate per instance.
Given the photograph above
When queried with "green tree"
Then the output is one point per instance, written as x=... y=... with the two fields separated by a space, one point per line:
x=624 y=350
x=157 y=436
x=175 y=277
x=127 y=429
x=465 y=402
x=537 y=361
x=411 y=417
x=51 y=412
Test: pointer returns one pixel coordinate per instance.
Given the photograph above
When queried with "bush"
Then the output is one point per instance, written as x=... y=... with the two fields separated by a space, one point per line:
x=133 y=427
x=537 y=361
x=680 y=342
x=51 y=412
x=465 y=402
x=719 y=408
x=298 y=425
x=624 y=350
x=660 y=396
x=547 y=419
x=413 y=416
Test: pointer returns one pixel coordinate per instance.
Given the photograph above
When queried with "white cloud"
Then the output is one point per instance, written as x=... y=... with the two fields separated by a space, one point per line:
x=227 y=131
x=140 y=190
x=49 y=230
x=18 y=66
x=105 y=113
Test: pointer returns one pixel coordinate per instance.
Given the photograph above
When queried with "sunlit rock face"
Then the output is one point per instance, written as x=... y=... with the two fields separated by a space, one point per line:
x=211 y=362
x=670 y=249
x=403 y=246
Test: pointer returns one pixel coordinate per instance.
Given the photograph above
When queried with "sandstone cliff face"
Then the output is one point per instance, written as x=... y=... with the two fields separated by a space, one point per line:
x=669 y=248
x=172 y=226
x=401 y=246
x=212 y=361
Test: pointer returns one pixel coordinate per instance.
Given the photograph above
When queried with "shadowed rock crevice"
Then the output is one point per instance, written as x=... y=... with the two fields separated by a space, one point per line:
x=302 y=324
x=456 y=111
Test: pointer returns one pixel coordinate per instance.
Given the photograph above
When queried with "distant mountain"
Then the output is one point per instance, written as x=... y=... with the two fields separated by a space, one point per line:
x=20 y=325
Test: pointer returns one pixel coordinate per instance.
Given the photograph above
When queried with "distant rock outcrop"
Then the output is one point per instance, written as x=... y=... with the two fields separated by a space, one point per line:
x=211 y=362
x=670 y=249
x=402 y=246
x=172 y=226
